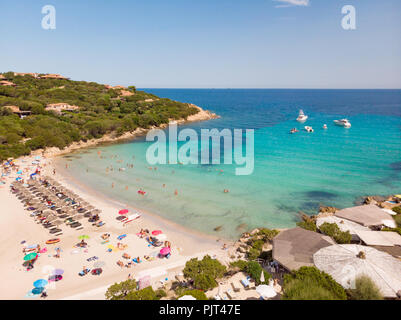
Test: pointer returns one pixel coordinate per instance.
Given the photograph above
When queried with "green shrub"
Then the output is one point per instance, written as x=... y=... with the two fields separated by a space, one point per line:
x=397 y=220
x=119 y=291
x=204 y=272
x=240 y=264
x=397 y=210
x=365 y=289
x=197 y=294
x=145 y=294
x=308 y=225
x=254 y=270
x=332 y=230
x=309 y=283
x=268 y=234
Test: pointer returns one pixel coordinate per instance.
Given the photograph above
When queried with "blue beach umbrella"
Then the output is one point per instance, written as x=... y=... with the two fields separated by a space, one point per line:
x=41 y=283
x=37 y=290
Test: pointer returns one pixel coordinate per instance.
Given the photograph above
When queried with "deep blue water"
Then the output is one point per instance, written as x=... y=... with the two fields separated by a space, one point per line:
x=293 y=173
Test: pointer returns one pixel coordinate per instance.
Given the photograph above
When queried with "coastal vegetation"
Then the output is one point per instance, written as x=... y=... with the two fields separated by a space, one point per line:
x=309 y=283
x=365 y=289
x=204 y=273
x=253 y=268
x=332 y=230
x=197 y=294
x=101 y=110
x=397 y=210
x=307 y=223
x=127 y=290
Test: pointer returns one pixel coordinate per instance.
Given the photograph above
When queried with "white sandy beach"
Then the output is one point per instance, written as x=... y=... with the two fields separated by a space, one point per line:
x=17 y=225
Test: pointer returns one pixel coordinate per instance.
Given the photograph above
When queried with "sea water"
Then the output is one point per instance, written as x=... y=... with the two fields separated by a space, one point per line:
x=293 y=173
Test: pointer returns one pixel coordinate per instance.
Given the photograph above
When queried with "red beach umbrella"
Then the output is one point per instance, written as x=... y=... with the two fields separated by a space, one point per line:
x=165 y=250
x=156 y=232
x=123 y=211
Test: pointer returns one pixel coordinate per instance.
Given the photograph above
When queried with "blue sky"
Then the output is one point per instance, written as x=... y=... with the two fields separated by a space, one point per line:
x=207 y=43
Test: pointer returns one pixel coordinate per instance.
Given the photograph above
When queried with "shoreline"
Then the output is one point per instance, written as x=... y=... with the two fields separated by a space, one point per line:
x=202 y=115
x=186 y=243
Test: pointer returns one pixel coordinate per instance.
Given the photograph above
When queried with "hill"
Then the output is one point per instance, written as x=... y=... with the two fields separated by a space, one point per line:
x=39 y=111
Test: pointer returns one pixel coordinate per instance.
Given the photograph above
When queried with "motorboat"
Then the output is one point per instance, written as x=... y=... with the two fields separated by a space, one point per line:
x=302 y=117
x=343 y=123
x=293 y=130
x=325 y=126
x=308 y=129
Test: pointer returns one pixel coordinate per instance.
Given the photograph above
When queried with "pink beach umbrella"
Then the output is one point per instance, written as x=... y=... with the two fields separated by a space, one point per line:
x=164 y=251
x=123 y=211
x=156 y=232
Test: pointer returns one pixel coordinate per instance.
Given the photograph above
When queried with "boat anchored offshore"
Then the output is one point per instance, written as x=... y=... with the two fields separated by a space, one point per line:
x=325 y=126
x=293 y=130
x=308 y=129
x=343 y=123
x=302 y=117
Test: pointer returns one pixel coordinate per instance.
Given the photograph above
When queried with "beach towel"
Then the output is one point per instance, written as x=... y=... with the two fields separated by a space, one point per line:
x=121 y=237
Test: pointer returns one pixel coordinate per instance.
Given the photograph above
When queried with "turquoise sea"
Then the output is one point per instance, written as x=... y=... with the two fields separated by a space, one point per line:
x=293 y=172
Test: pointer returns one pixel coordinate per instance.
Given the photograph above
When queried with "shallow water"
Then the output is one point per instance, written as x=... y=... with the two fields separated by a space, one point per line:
x=293 y=172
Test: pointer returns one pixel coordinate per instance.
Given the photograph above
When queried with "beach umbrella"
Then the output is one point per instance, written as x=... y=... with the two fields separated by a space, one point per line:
x=156 y=232
x=262 y=277
x=165 y=250
x=37 y=290
x=41 y=283
x=30 y=256
x=389 y=223
x=187 y=297
x=83 y=237
x=58 y=272
x=266 y=291
x=124 y=211
x=346 y=262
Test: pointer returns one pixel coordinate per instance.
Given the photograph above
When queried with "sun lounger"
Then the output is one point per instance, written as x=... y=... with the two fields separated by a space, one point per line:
x=245 y=283
x=236 y=287
x=231 y=294
x=224 y=297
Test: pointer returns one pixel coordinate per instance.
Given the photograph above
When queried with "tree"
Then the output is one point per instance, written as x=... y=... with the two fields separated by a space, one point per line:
x=204 y=272
x=309 y=283
x=127 y=290
x=365 y=289
x=197 y=294
x=255 y=270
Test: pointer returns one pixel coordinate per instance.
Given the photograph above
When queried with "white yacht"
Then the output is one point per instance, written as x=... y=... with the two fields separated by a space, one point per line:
x=308 y=129
x=343 y=123
x=301 y=117
x=325 y=126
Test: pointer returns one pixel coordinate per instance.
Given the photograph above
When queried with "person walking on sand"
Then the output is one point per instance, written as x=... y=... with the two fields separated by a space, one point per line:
x=54 y=171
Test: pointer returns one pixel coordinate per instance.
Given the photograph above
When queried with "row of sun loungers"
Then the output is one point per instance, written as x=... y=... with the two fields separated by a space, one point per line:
x=53 y=205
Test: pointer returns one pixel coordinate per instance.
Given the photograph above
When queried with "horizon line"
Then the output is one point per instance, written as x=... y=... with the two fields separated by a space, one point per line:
x=272 y=88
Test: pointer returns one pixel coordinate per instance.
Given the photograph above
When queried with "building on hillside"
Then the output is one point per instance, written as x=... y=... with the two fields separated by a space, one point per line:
x=16 y=110
x=53 y=76
x=2 y=77
x=22 y=74
x=59 y=107
x=7 y=83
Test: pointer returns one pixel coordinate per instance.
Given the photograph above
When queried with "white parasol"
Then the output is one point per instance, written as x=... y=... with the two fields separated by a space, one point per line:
x=346 y=262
